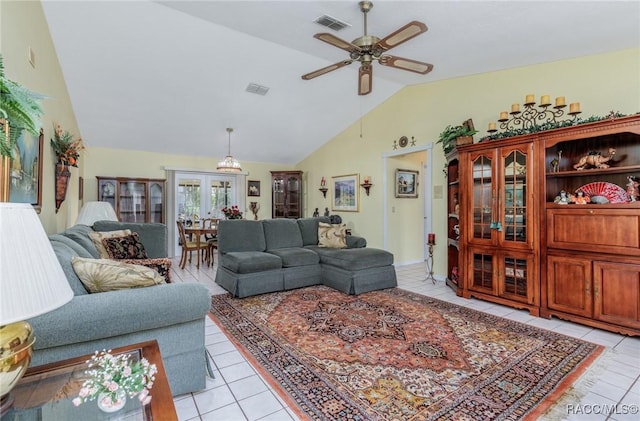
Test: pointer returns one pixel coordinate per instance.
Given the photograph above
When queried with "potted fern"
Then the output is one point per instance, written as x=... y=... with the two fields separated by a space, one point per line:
x=453 y=136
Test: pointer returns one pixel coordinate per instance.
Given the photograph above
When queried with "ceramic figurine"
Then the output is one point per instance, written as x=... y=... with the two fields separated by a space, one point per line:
x=316 y=213
x=562 y=199
x=632 y=188
x=595 y=159
x=580 y=198
x=326 y=211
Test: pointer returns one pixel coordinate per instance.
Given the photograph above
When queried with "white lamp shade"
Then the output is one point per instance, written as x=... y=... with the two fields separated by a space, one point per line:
x=96 y=211
x=32 y=281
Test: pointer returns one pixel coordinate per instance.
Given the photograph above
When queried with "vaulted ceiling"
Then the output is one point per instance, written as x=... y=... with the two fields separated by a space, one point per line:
x=171 y=76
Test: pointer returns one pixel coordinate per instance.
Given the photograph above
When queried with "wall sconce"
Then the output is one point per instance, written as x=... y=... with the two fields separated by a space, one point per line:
x=323 y=187
x=367 y=184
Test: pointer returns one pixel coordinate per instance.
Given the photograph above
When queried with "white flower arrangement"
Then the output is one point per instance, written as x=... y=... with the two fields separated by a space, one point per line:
x=114 y=374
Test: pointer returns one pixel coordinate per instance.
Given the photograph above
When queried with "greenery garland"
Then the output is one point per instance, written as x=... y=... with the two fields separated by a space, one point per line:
x=550 y=126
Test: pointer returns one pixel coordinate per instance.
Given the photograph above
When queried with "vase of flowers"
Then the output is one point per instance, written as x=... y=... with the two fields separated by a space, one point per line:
x=67 y=150
x=114 y=378
x=232 y=213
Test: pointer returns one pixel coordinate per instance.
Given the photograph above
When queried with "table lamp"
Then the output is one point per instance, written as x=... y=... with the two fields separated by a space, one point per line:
x=32 y=283
x=96 y=211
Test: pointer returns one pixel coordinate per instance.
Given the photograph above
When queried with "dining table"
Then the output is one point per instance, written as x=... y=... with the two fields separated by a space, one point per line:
x=198 y=232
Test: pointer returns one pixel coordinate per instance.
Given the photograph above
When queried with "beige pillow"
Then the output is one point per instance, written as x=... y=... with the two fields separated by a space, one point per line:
x=102 y=275
x=97 y=236
x=332 y=235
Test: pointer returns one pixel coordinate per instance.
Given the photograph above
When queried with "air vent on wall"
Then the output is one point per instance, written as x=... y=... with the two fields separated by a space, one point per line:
x=331 y=22
x=254 y=88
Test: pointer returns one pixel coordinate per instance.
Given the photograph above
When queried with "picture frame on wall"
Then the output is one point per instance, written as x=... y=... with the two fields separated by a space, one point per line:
x=25 y=174
x=253 y=188
x=345 y=193
x=407 y=182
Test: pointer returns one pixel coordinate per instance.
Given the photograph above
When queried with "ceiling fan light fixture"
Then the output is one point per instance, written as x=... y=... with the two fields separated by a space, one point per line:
x=229 y=163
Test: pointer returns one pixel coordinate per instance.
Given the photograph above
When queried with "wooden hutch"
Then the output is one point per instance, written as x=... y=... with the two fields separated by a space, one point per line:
x=518 y=247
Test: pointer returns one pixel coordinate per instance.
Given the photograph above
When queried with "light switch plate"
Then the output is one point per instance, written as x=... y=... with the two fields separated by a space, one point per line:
x=437 y=192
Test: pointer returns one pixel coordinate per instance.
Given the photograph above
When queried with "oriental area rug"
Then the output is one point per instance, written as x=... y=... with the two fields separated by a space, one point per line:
x=398 y=355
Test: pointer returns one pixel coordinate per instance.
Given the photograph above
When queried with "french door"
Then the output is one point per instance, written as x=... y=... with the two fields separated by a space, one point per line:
x=199 y=195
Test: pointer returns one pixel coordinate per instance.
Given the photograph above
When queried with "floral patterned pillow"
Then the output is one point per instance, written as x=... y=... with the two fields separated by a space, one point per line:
x=103 y=275
x=97 y=236
x=332 y=235
x=127 y=247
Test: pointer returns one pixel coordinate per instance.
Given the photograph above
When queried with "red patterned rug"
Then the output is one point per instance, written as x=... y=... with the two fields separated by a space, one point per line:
x=397 y=355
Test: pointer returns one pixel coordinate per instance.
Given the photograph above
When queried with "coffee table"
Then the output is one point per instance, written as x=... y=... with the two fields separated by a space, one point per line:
x=46 y=392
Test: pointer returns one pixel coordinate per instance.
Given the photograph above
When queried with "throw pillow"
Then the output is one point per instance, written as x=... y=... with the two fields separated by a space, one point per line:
x=102 y=275
x=97 y=236
x=128 y=247
x=162 y=265
x=332 y=235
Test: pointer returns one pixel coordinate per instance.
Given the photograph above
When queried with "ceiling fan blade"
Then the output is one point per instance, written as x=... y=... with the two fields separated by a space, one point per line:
x=406 y=64
x=327 y=69
x=410 y=30
x=365 y=79
x=337 y=42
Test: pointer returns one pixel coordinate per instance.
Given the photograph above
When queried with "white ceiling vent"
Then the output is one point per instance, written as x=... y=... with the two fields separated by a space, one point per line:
x=254 y=88
x=331 y=22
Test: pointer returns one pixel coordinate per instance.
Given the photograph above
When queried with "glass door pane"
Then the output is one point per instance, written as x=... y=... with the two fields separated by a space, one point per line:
x=279 y=196
x=293 y=188
x=482 y=272
x=482 y=199
x=515 y=277
x=133 y=202
x=514 y=207
x=156 y=201
x=220 y=196
x=188 y=199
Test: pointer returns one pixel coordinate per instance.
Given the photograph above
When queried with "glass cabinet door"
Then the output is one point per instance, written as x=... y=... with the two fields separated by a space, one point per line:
x=514 y=197
x=293 y=190
x=482 y=203
x=133 y=202
x=107 y=192
x=482 y=272
x=514 y=270
x=279 y=197
x=156 y=202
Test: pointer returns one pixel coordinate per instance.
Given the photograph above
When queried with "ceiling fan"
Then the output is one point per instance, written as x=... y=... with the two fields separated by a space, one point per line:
x=369 y=48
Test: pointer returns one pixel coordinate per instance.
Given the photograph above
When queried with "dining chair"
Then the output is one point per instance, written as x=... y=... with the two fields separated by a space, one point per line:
x=188 y=247
x=212 y=238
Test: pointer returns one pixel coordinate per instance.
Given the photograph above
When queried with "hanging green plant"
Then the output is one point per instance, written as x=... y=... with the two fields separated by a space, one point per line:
x=21 y=107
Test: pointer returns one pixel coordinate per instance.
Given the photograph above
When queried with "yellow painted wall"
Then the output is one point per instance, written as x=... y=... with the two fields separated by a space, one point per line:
x=23 y=25
x=600 y=83
x=127 y=163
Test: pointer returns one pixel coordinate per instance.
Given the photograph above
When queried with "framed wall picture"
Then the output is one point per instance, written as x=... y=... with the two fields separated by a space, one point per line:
x=253 y=188
x=345 y=193
x=26 y=170
x=407 y=183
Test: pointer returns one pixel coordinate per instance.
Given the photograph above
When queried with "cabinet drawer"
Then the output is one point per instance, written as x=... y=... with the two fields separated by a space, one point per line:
x=615 y=231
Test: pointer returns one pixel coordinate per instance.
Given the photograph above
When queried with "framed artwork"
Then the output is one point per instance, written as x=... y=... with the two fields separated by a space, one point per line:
x=407 y=183
x=253 y=188
x=345 y=193
x=26 y=170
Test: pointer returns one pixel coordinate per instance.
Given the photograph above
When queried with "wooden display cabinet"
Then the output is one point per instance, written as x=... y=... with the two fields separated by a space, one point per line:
x=592 y=252
x=454 y=271
x=134 y=199
x=286 y=190
x=499 y=249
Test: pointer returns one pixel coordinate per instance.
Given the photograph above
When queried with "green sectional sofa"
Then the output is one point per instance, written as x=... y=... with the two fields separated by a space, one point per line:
x=173 y=314
x=256 y=257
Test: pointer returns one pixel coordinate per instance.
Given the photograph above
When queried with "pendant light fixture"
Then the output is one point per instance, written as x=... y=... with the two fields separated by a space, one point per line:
x=229 y=164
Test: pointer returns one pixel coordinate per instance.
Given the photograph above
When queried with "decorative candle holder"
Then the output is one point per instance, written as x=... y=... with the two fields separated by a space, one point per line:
x=531 y=116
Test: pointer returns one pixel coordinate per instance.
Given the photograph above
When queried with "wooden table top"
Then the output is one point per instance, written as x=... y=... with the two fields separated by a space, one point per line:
x=45 y=392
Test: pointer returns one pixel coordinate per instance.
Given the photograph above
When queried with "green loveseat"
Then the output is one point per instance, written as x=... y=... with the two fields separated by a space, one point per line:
x=173 y=314
x=256 y=257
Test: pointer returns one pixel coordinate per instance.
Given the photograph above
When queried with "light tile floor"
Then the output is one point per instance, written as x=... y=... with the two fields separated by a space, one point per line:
x=238 y=393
